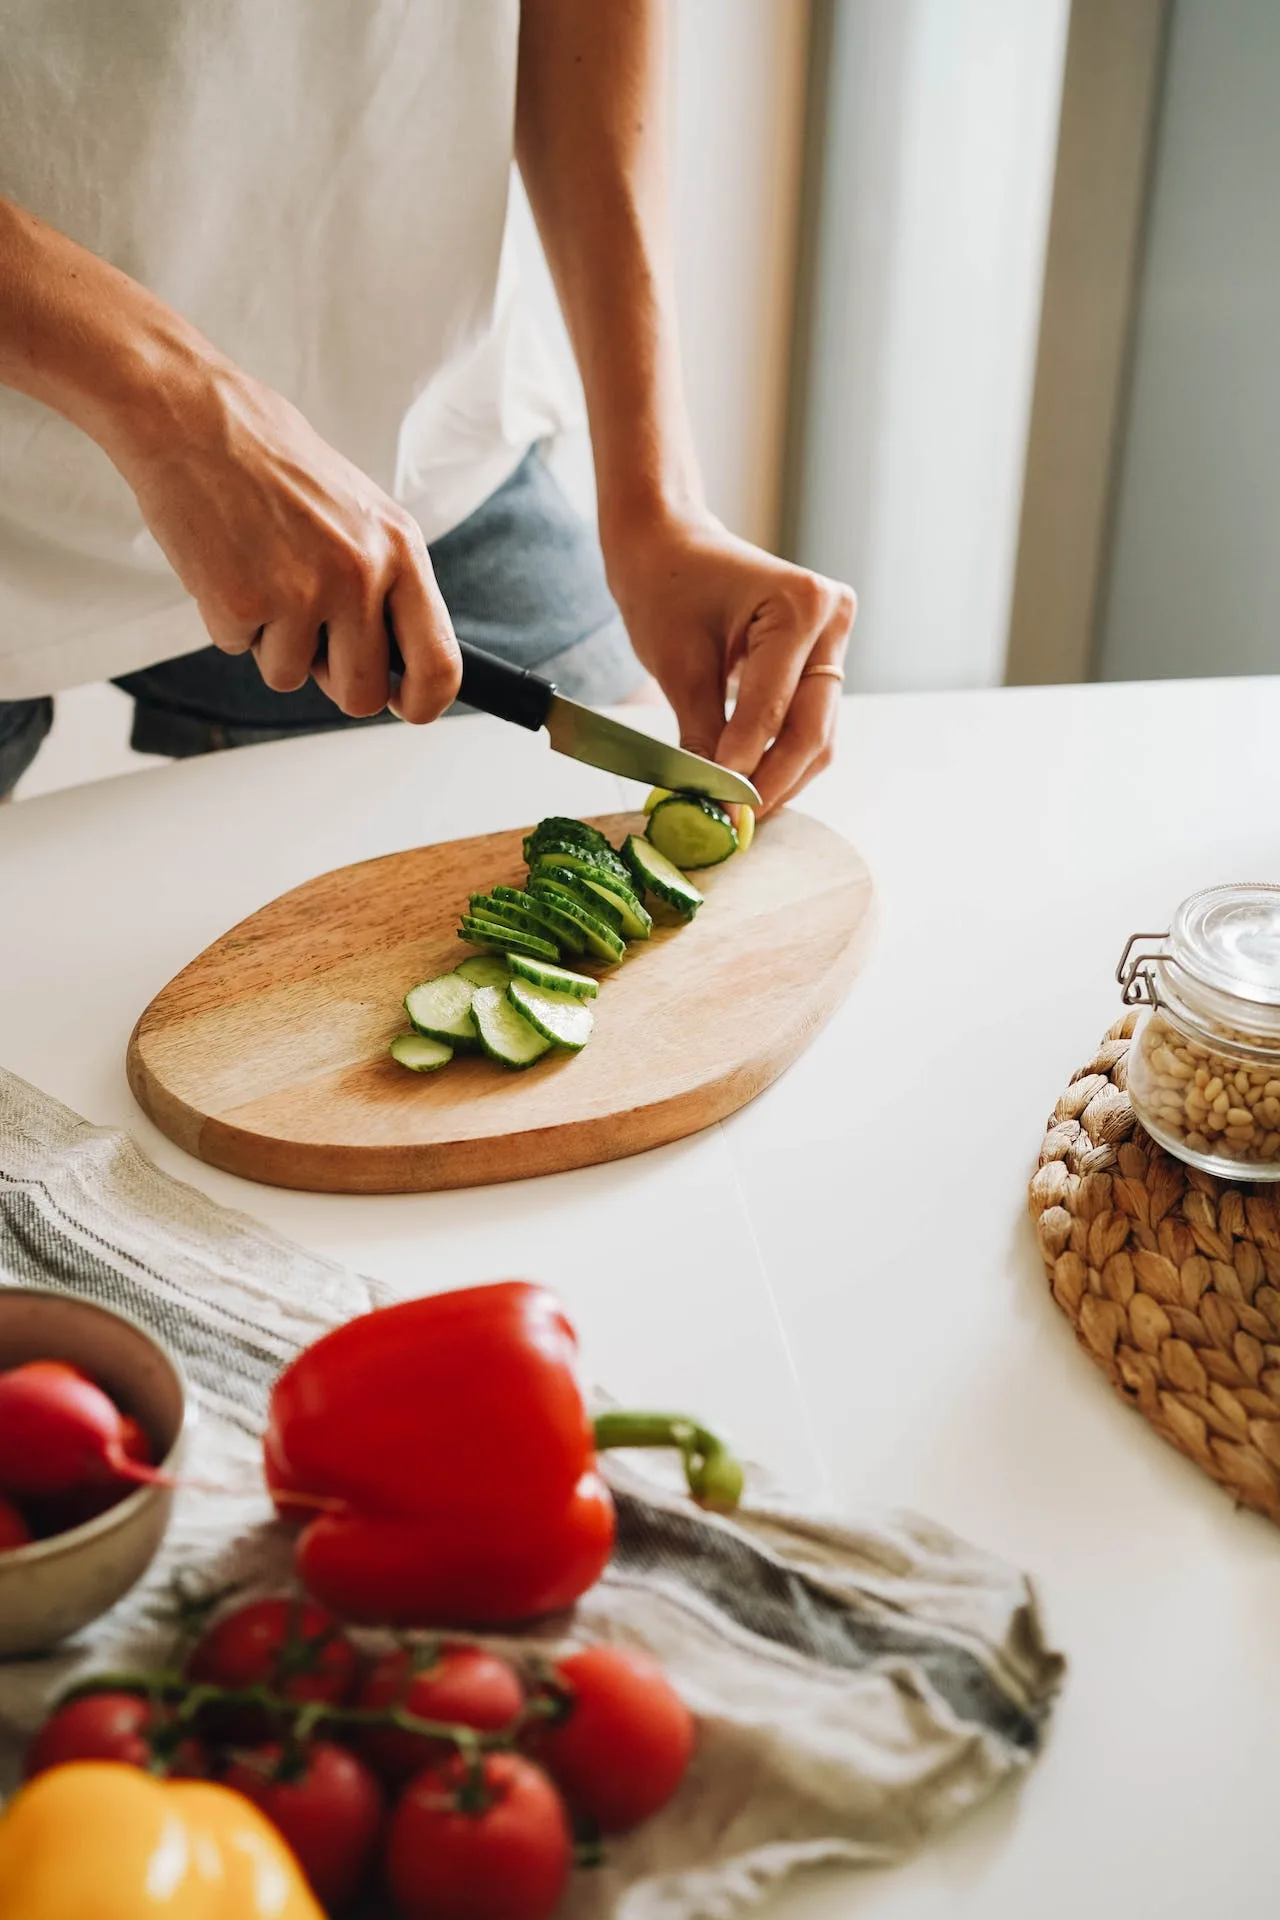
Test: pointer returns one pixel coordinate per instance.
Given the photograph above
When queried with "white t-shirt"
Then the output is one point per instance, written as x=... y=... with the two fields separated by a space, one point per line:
x=321 y=186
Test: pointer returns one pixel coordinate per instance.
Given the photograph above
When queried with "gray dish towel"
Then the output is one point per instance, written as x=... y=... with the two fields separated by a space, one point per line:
x=858 y=1683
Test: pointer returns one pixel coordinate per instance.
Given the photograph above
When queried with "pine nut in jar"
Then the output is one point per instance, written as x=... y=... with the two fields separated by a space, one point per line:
x=1204 y=1065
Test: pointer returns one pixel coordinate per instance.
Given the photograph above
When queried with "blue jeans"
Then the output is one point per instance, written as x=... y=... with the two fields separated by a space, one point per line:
x=522 y=578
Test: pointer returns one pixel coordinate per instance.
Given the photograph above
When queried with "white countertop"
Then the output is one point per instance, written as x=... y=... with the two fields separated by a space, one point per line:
x=844 y=1273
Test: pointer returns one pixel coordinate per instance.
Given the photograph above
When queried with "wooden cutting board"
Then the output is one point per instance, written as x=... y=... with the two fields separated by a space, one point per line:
x=267 y=1056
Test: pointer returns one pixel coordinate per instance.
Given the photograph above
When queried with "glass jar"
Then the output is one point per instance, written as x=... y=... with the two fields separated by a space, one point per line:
x=1204 y=1066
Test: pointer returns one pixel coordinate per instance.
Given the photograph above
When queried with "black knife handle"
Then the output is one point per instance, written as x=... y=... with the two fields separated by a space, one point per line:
x=493 y=686
x=507 y=692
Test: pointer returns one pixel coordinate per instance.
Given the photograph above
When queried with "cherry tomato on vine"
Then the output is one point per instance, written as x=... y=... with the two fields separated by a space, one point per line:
x=508 y=1856
x=109 y=1726
x=466 y=1685
x=623 y=1740
x=14 y=1531
x=331 y=1813
x=298 y=1650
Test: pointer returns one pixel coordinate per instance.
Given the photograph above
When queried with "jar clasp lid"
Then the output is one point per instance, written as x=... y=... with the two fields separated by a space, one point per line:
x=1135 y=973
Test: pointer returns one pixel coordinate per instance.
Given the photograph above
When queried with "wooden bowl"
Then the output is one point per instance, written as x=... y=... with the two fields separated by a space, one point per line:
x=55 y=1586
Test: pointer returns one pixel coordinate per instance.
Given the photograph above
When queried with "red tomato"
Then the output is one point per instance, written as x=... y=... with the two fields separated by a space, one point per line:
x=299 y=1650
x=331 y=1815
x=108 y=1726
x=465 y=1685
x=508 y=1859
x=14 y=1531
x=621 y=1748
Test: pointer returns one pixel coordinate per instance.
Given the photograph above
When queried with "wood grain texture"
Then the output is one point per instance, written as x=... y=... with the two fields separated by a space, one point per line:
x=267 y=1055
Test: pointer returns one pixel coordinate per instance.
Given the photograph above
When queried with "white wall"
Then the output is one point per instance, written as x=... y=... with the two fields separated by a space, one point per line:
x=1195 y=564
x=932 y=229
x=736 y=101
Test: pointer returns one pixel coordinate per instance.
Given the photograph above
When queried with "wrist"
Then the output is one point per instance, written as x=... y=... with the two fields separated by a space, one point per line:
x=636 y=528
x=157 y=375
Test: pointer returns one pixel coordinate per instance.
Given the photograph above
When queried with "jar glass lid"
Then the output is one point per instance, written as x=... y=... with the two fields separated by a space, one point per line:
x=1228 y=938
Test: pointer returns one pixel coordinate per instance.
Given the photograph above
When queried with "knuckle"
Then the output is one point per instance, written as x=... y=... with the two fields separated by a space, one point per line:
x=405 y=535
x=846 y=605
x=823 y=758
x=808 y=597
x=243 y=605
x=350 y=571
x=774 y=711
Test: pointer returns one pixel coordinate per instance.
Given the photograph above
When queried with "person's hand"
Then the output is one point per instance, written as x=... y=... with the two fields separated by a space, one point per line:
x=705 y=609
x=288 y=550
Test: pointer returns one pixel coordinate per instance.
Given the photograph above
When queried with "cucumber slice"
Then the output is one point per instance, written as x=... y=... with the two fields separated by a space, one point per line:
x=579 y=859
x=559 y=1017
x=564 y=832
x=601 y=940
x=657 y=794
x=634 y=922
x=556 y=979
x=419 y=1052
x=654 y=871
x=504 y=1032
x=499 y=939
x=692 y=831
x=519 y=919
x=441 y=1008
x=574 y=885
x=485 y=970
x=556 y=925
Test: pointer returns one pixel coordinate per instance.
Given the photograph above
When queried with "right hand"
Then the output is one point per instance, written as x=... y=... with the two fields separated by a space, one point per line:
x=276 y=535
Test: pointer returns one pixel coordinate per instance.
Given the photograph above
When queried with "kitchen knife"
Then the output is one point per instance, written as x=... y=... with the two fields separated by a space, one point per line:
x=513 y=693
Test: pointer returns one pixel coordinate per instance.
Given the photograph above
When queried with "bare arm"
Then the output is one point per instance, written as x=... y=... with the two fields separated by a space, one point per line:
x=699 y=603
x=271 y=530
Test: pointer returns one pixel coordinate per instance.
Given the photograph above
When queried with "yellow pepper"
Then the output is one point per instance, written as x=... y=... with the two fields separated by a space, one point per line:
x=96 y=1840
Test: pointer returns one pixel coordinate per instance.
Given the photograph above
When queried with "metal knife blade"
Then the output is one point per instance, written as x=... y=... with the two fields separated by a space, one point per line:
x=586 y=735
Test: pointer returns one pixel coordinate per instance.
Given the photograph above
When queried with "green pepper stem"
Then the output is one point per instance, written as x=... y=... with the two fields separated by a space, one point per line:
x=715 y=1477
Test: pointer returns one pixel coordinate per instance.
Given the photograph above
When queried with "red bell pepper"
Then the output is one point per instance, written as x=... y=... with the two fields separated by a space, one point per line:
x=447 y=1441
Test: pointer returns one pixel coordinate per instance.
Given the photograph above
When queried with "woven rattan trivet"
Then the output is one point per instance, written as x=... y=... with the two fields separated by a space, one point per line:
x=1170 y=1277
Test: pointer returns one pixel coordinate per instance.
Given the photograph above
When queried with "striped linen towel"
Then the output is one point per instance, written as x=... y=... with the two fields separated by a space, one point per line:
x=858 y=1683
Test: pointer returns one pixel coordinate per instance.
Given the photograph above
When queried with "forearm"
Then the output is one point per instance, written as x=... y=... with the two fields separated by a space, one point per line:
x=590 y=146
x=89 y=342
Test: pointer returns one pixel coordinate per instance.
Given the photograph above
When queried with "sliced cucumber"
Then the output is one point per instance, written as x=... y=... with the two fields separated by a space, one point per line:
x=634 y=922
x=504 y=1032
x=601 y=940
x=565 y=833
x=692 y=831
x=556 y=979
x=580 y=859
x=576 y=888
x=655 y=872
x=519 y=919
x=441 y=1008
x=559 y=1017
x=500 y=939
x=556 y=925
x=656 y=794
x=419 y=1052
x=485 y=970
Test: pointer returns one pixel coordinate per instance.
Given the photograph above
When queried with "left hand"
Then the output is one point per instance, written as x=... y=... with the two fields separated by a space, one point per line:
x=704 y=608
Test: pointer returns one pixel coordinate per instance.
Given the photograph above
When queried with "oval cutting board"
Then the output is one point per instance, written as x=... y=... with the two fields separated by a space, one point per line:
x=267 y=1055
